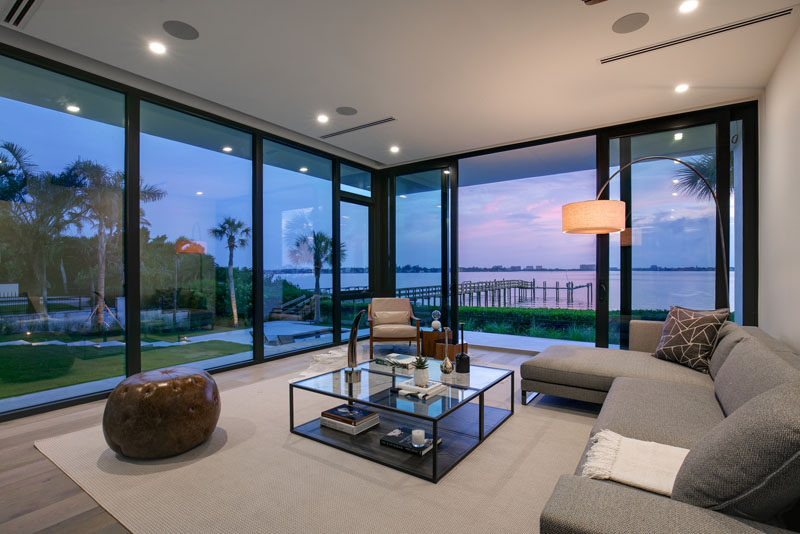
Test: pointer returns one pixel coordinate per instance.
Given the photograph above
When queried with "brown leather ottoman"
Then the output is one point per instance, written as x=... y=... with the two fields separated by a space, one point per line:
x=161 y=413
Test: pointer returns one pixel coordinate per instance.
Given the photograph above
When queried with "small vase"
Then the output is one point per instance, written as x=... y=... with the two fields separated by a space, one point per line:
x=421 y=377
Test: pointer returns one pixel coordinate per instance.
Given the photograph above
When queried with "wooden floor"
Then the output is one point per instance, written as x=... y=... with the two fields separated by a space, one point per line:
x=38 y=497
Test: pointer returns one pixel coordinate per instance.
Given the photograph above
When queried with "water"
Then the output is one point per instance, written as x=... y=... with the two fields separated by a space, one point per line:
x=652 y=290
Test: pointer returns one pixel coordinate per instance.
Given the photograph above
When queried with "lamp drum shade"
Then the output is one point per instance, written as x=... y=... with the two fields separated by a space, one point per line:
x=593 y=217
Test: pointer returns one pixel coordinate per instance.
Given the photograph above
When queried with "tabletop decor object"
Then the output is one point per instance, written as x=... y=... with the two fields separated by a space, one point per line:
x=462 y=358
x=436 y=315
x=421 y=372
x=351 y=374
x=446 y=366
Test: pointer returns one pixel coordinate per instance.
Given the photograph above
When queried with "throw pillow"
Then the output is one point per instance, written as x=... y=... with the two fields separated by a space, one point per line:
x=749 y=464
x=390 y=317
x=689 y=336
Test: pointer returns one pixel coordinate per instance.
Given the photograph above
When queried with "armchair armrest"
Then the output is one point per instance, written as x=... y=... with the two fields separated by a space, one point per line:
x=645 y=335
x=583 y=505
x=415 y=319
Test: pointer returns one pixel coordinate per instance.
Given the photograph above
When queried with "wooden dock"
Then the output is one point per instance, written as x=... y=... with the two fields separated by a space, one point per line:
x=506 y=294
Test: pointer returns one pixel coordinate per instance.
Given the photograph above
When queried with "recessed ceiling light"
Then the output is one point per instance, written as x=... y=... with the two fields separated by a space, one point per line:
x=403 y=196
x=439 y=206
x=688 y=6
x=199 y=193
x=674 y=194
x=681 y=88
x=675 y=181
x=72 y=108
x=322 y=118
x=303 y=169
x=345 y=216
x=446 y=171
x=227 y=149
x=394 y=149
x=678 y=136
x=157 y=48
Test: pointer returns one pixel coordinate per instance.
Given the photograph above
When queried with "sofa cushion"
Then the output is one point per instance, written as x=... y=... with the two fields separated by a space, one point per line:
x=682 y=415
x=749 y=464
x=729 y=336
x=394 y=331
x=750 y=369
x=689 y=336
x=595 y=368
x=390 y=317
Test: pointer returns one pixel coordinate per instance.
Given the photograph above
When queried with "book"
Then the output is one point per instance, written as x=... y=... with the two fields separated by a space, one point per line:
x=347 y=428
x=400 y=438
x=349 y=414
x=433 y=388
x=396 y=360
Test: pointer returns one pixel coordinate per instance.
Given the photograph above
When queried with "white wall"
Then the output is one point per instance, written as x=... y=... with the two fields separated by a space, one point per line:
x=779 y=201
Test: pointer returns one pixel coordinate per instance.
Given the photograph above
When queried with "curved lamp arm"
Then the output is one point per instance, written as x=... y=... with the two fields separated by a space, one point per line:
x=713 y=195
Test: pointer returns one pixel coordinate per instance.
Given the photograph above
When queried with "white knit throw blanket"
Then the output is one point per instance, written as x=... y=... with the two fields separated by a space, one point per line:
x=642 y=464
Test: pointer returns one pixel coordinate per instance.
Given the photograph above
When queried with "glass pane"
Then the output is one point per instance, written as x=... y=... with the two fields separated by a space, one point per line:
x=669 y=254
x=418 y=241
x=355 y=180
x=298 y=249
x=62 y=182
x=196 y=243
x=355 y=264
x=519 y=275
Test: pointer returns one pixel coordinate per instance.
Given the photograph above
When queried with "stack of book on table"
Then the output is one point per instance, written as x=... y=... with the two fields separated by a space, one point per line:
x=396 y=360
x=400 y=438
x=350 y=419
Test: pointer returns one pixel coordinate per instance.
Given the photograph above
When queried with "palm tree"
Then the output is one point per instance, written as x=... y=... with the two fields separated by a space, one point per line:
x=692 y=185
x=102 y=204
x=38 y=208
x=315 y=248
x=235 y=234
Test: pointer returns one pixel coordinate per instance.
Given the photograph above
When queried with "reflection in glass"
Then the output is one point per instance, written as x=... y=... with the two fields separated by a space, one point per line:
x=671 y=256
x=298 y=249
x=62 y=182
x=355 y=180
x=519 y=273
x=196 y=278
x=354 y=228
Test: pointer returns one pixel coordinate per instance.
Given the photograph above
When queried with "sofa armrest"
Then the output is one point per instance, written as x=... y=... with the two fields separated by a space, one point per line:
x=645 y=335
x=584 y=505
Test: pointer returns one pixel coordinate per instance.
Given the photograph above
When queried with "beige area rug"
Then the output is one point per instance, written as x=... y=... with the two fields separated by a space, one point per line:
x=253 y=475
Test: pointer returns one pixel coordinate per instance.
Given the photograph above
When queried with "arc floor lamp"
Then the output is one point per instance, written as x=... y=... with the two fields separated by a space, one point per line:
x=608 y=216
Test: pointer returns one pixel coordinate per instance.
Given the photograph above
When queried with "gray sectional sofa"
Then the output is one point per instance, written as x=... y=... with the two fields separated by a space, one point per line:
x=655 y=400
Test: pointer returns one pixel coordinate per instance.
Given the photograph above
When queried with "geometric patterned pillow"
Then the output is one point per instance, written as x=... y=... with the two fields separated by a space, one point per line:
x=689 y=336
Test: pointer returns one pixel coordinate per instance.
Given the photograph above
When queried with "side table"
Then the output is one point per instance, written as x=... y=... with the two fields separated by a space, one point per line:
x=429 y=340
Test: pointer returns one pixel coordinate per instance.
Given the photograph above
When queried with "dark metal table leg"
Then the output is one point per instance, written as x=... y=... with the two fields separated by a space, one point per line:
x=480 y=416
x=435 y=451
x=291 y=408
x=512 y=392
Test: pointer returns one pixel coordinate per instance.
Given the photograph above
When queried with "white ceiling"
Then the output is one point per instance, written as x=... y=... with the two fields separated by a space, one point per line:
x=457 y=74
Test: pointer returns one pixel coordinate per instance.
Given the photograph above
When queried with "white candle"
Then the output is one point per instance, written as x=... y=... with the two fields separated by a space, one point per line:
x=418 y=437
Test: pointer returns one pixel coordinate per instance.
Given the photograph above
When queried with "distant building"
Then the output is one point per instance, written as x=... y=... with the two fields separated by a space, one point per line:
x=539 y=268
x=588 y=267
x=515 y=268
x=529 y=267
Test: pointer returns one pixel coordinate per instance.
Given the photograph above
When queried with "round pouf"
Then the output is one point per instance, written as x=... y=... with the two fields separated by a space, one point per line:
x=161 y=413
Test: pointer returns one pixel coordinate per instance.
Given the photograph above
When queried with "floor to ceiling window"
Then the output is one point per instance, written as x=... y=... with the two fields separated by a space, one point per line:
x=298 y=249
x=196 y=241
x=668 y=256
x=518 y=274
x=354 y=229
x=62 y=182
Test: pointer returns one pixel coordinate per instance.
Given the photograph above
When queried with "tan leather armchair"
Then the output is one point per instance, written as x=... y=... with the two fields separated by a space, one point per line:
x=392 y=319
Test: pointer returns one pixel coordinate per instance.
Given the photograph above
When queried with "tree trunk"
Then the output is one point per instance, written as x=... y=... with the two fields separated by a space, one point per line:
x=64 y=277
x=44 y=286
x=232 y=289
x=317 y=310
x=101 y=276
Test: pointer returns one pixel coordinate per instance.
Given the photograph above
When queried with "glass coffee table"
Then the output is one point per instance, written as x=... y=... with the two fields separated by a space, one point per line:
x=462 y=416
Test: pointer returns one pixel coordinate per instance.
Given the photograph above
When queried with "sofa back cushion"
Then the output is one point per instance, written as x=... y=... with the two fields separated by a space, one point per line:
x=749 y=370
x=729 y=336
x=749 y=464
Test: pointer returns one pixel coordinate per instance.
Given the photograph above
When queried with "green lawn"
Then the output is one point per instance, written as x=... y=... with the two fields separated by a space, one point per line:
x=96 y=363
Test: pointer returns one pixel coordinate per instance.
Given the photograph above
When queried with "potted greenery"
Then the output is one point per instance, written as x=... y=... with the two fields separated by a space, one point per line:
x=420 y=372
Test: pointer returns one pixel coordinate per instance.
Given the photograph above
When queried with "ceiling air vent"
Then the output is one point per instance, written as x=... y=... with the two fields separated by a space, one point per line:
x=17 y=13
x=699 y=35
x=359 y=127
